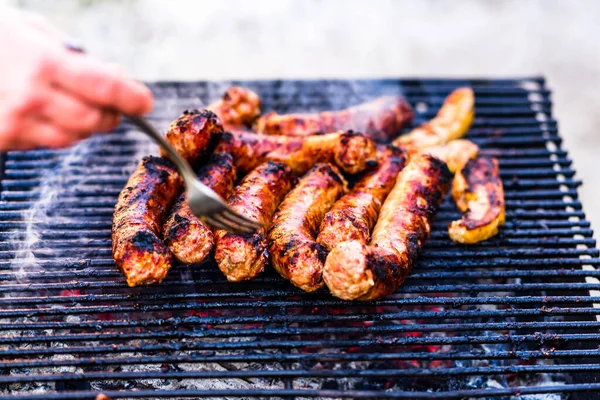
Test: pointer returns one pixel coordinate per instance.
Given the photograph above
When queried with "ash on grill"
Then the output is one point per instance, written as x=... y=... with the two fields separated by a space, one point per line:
x=498 y=315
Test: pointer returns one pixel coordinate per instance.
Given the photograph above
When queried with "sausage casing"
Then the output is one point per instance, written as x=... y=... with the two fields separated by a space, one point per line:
x=138 y=248
x=350 y=151
x=188 y=238
x=249 y=149
x=237 y=108
x=353 y=216
x=455 y=154
x=242 y=257
x=478 y=192
x=355 y=271
x=381 y=119
x=192 y=132
x=452 y=121
x=293 y=251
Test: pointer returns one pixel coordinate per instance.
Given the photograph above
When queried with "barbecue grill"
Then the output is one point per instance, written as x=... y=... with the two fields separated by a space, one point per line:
x=513 y=316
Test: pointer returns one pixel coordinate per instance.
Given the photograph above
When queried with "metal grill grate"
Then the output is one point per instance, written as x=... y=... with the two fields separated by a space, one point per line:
x=513 y=316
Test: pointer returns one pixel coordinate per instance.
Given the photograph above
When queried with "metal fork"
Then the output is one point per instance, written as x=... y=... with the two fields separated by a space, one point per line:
x=204 y=202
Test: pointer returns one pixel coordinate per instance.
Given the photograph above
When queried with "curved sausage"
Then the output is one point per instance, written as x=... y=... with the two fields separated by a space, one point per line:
x=257 y=197
x=354 y=215
x=478 y=192
x=356 y=271
x=452 y=121
x=237 y=108
x=192 y=132
x=188 y=238
x=350 y=151
x=381 y=119
x=137 y=245
x=455 y=154
x=293 y=251
x=249 y=150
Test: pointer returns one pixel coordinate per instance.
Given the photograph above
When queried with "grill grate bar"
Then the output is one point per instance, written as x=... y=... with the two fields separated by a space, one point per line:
x=506 y=309
x=318 y=357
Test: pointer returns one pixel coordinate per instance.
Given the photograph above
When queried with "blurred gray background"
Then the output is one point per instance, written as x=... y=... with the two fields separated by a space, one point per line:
x=229 y=39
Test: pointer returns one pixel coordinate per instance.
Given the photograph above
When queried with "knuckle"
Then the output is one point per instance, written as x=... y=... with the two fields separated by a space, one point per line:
x=56 y=138
x=106 y=89
x=90 y=119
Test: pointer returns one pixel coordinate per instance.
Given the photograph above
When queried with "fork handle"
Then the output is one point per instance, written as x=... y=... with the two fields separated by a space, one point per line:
x=184 y=167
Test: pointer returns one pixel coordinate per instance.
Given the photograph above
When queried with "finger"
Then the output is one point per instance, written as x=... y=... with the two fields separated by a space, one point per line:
x=46 y=134
x=71 y=113
x=18 y=136
x=101 y=85
x=110 y=121
x=36 y=133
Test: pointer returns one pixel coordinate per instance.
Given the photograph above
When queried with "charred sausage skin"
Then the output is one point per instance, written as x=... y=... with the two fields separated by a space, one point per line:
x=350 y=151
x=455 y=154
x=452 y=121
x=257 y=197
x=354 y=215
x=138 y=248
x=356 y=271
x=381 y=119
x=293 y=251
x=237 y=108
x=192 y=132
x=188 y=238
x=478 y=192
x=249 y=149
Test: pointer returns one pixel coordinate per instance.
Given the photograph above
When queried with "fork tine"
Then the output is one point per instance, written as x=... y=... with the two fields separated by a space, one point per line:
x=216 y=223
x=240 y=219
x=232 y=226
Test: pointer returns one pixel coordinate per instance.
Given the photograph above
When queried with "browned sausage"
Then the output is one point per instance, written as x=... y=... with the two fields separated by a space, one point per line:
x=356 y=271
x=452 y=121
x=381 y=119
x=192 y=132
x=257 y=197
x=249 y=150
x=293 y=251
x=138 y=248
x=455 y=154
x=352 y=152
x=478 y=192
x=238 y=108
x=188 y=238
x=354 y=215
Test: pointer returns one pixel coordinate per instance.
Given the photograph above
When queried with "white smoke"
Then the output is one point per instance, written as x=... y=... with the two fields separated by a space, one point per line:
x=55 y=196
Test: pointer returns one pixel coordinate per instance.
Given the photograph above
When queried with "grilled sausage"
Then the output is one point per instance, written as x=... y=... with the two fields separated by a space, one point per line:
x=293 y=251
x=257 y=197
x=137 y=245
x=451 y=122
x=478 y=192
x=192 y=132
x=188 y=238
x=249 y=150
x=381 y=119
x=455 y=154
x=352 y=152
x=356 y=271
x=237 y=109
x=354 y=215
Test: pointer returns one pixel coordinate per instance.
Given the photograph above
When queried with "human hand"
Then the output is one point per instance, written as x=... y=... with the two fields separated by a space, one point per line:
x=52 y=97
